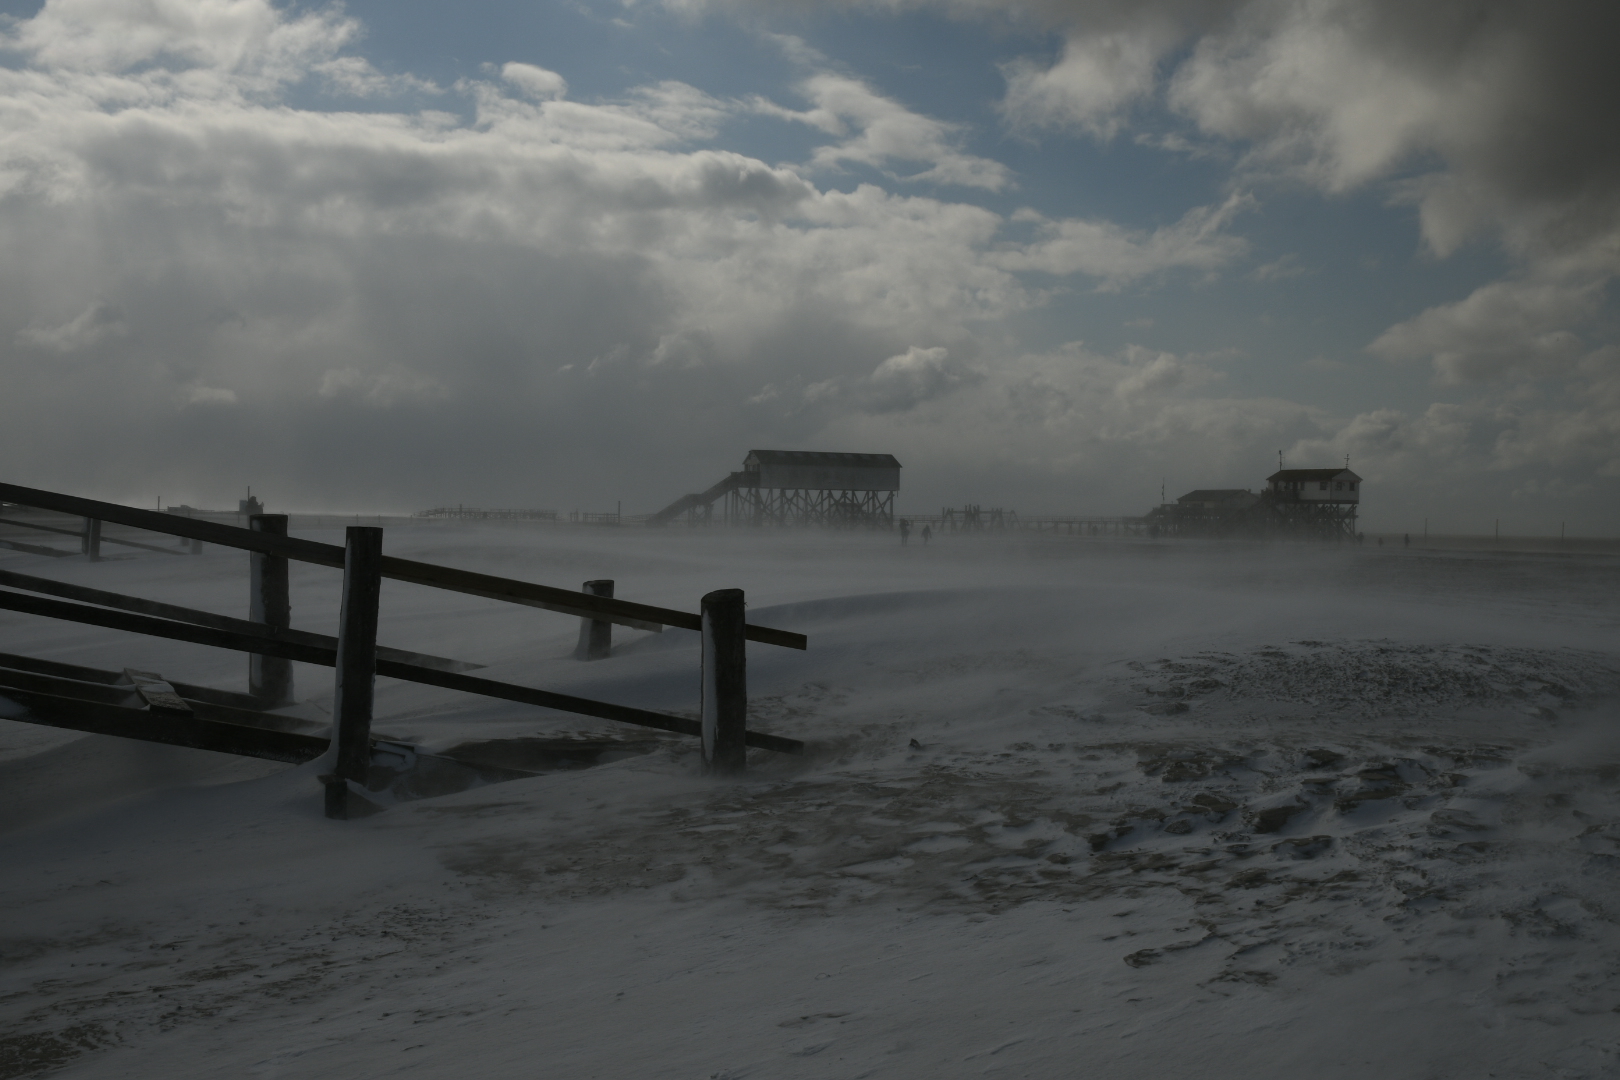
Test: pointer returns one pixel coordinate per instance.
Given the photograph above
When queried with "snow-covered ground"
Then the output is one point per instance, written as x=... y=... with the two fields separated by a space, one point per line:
x=1073 y=809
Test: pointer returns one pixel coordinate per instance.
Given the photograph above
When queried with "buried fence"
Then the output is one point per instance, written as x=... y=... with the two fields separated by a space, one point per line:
x=272 y=645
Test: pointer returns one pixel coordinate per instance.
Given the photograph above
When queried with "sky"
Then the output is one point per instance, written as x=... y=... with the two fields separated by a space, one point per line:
x=1052 y=254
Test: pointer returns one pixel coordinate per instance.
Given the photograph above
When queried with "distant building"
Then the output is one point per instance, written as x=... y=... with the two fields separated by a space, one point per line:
x=1296 y=504
x=811 y=470
x=1314 y=485
x=798 y=487
x=1218 y=499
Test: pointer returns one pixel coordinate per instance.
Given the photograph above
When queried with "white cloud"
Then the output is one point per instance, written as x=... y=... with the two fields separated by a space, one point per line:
x=381 y=390
x=1504 y=329
x=594 y=281
x=1092 y=84
x=898 y=384
x=207 y=396
x=94 y=325
x=1118 y=255
x=537 y=82
x=882 y=133
x=1279 y=269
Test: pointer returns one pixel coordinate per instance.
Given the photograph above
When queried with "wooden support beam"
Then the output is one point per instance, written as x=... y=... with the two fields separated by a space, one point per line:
x=270 y=678
x=621 y=612
x=262 y=641
x=101 y=598
x=163 y=726
x=74 y=688
x=356 y=662
x=35 y=549
x=114 y=688
x=725 y=682
x=98 y=675
x=79 y=532
x=91 y=545
x=595 y=635
x=137 y=544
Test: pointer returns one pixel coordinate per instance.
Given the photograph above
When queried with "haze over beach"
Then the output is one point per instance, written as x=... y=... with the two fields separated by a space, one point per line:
x=859 y=632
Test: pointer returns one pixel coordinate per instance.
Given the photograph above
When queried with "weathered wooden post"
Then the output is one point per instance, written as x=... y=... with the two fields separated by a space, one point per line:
x=90 y=542
x=356 y=666
x=270 y=678
x=595 y=635
x=725 y=683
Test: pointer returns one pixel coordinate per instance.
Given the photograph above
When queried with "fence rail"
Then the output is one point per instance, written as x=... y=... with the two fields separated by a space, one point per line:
x=354 y=652
x=564 y=601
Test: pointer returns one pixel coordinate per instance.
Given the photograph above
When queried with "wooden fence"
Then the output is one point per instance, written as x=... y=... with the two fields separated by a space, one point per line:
x=354 y=653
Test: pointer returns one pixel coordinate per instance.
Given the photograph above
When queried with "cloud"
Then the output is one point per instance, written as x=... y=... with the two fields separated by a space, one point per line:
x=207 y=396
x=1092 y=84
x=1504 y=329
x=898 y=384
x=1118 y=255
x=880 y=132
x=91 y=327
x=537 y=82
x=1279 y=269
x=553 y=275
x=561 y=297
x=379 y=390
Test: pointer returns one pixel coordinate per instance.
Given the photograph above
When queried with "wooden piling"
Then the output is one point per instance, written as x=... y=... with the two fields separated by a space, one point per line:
x=356 y=666
x=725 y=683
x=270 y=678
x=90 y=543
x=595 y=635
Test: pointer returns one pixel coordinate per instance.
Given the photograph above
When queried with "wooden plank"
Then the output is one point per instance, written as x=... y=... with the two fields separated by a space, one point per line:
x=565 y=601
x=156 y=691
x=35 y=549
x=102 y=598
x=353 y=695
x=622 y=612
x=58 y=669
x=172 y=728
x=546 y=699
x=74 y=688
x=270 y=678
x=219 y=704
x=724 y=682
x=243 y=642
x=595 y=636
x=76 y=533
x=189 y=691
x=177 y=525
x=144 y=547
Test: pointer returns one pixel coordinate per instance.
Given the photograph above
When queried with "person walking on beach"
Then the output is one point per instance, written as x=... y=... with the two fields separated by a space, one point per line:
x=927 y=534
x=905 y=532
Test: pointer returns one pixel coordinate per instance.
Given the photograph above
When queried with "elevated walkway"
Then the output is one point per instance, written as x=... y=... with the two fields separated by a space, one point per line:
x=704 y=500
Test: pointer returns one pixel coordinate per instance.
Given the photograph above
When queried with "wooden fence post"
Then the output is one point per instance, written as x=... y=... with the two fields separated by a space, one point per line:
x=90 y=542
x=356 y=665
x=725 y=683
x=595 y=636
x=270 y=678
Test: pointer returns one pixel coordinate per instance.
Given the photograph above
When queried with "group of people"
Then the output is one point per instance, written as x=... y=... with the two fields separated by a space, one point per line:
x=905 y=533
